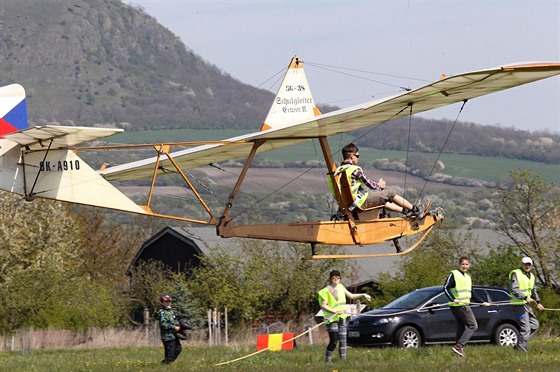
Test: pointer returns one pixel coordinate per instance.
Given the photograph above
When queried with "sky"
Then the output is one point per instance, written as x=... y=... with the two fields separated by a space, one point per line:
x=398 y=43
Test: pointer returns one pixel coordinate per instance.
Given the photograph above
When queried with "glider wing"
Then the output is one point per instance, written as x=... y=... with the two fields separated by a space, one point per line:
x=298 y=128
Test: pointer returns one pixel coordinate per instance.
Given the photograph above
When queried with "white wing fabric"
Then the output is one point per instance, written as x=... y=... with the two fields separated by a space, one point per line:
x=446 y=91
x=57 y=137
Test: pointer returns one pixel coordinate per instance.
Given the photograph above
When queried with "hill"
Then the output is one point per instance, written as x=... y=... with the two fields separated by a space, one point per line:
x=104 y=62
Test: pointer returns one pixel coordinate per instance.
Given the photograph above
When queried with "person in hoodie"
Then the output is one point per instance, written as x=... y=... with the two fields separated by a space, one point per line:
x=169 y=326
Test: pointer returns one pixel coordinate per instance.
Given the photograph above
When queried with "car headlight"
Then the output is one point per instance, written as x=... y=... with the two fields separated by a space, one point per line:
x=384 y=321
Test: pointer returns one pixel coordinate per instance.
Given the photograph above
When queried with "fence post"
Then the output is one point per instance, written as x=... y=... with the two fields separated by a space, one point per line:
x=226 y=325
x=217 y=327
x=356 y=309
x=209 y=314
x=310 y=334
x=147 y=324
x=215 y=338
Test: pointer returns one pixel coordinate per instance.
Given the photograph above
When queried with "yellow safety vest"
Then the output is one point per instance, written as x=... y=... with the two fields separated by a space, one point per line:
x=526 y=284
x=463 y=288
x=336 y=305
x=354 y=187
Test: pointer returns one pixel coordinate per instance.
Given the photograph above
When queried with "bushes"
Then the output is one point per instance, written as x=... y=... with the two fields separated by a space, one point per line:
x=49 y=299
x=258 y=277
x=549 y=320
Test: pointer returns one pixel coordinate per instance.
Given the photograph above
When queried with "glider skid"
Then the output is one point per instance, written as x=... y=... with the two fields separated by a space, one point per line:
x=399 y=251
x=350 y=232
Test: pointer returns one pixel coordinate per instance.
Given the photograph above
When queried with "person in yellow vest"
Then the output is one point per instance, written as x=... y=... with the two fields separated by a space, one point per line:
x=458 y=287
x=332 y=300
x=378 y=194
x=524 y=292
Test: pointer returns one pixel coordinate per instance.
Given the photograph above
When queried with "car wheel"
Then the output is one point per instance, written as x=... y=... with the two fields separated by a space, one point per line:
x=506 y=335
x=408 y=337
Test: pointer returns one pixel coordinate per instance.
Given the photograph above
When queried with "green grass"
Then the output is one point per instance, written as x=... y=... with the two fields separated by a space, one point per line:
x=493 y=169
x=544 y=355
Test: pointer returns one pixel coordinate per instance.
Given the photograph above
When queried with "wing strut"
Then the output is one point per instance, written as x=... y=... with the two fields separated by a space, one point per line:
x=331 y=166
x=31 y=195
x=164 y=149
x=225 y=219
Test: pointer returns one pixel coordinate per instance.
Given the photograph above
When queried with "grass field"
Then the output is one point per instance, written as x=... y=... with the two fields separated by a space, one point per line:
x=544 y=355
x=483 y=168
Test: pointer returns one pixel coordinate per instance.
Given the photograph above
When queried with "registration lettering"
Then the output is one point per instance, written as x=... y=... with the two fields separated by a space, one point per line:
x=59 y=166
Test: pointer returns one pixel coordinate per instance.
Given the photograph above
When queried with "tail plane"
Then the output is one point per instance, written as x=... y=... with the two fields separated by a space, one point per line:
x=36 y=162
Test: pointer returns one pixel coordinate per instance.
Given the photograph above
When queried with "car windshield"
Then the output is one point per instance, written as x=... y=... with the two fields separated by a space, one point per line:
x=411 y=300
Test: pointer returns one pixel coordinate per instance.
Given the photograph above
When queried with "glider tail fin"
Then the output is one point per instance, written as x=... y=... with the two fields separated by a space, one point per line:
x=294 y=102
x=13 y=109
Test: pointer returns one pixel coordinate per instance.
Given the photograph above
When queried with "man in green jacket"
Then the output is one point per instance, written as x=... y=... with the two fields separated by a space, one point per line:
x=169 y=326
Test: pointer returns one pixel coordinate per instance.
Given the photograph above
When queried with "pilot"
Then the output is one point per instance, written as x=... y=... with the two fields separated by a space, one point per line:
x=378 y=194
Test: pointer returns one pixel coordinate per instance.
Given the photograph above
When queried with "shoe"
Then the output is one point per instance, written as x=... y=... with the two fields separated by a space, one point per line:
x=458 y=350
x=420 y=210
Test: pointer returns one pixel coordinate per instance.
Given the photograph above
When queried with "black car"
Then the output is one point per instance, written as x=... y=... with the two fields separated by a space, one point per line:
x=395 y=324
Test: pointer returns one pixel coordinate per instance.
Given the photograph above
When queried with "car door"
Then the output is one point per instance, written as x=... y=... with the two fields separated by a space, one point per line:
x=440 y=320
x=500 y=312
x=485 y=316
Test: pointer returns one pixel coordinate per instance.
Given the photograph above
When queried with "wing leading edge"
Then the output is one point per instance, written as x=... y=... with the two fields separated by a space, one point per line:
x=441 y=93
x=58 y=137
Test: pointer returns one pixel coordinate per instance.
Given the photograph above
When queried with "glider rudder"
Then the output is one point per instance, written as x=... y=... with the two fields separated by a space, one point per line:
x=13 y=111
x=294 y=101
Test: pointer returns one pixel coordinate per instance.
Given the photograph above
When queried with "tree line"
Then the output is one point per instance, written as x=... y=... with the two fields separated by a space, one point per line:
x=434 y=136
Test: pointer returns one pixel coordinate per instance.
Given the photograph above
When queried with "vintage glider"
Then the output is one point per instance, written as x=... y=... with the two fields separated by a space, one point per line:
x=42 y=161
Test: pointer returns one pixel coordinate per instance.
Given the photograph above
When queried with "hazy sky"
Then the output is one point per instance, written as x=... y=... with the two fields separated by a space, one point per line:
x=420 y=40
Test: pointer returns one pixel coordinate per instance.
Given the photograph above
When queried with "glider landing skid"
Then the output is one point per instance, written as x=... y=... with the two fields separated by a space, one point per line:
x=399 y=252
